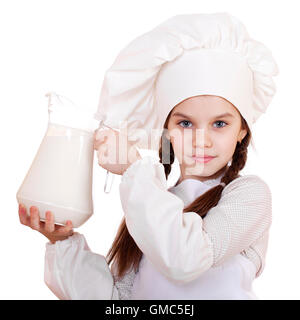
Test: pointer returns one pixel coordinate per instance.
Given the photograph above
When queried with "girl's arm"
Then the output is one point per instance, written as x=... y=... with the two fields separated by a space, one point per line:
x=73 y=272
x=183 y=246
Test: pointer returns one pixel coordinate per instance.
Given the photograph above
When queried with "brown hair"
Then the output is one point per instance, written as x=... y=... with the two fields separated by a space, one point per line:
x=124 y=251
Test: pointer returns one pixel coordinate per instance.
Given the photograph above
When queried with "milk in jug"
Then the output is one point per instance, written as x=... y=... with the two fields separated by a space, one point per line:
x=60 y=177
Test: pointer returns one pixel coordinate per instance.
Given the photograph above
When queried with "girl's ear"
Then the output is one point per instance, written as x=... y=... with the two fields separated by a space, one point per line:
x=242 y=135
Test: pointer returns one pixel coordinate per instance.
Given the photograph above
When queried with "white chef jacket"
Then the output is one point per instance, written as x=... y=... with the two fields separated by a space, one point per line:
x=179 y=250
x=230 y=280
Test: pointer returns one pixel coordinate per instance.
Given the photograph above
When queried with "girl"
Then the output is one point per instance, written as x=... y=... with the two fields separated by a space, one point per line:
x=205 y=237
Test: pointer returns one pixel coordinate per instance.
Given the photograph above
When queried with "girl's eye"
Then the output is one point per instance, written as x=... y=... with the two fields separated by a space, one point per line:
x=184 y=121
x=221 y=122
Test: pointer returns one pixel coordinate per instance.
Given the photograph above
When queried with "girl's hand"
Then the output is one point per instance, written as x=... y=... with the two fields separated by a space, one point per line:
x=115 y=153
x=50 y=230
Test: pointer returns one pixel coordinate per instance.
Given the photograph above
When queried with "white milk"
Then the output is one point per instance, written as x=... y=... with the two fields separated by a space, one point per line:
x=60 y=177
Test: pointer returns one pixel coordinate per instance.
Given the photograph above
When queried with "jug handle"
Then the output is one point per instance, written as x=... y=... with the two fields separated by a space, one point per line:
x=109 y=176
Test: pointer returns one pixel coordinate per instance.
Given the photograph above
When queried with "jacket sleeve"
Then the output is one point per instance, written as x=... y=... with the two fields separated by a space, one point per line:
x=241 y=221
x=183 y=246
x=73 y=272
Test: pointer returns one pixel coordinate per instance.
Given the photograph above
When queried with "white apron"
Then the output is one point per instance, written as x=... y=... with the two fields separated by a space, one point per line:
x=230 y=281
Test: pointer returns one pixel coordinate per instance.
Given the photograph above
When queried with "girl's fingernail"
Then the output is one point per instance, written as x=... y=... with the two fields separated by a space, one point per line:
x=33 y=209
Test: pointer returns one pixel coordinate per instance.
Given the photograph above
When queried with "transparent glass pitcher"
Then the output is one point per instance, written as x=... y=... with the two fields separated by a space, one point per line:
x=60 y=177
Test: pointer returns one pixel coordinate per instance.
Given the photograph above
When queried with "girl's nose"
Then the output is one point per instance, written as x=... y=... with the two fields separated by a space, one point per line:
x=201 y=139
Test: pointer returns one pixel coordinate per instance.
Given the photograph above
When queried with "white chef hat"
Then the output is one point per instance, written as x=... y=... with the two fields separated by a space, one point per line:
x=185 y=56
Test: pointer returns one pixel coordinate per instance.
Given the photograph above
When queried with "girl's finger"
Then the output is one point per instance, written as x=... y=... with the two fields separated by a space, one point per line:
x=24 y=218
x=34 y=218
x=95 y=133
x=103 y=134
x=49 y=223
x=67 y=229
x=99 y=134
x=97 y=144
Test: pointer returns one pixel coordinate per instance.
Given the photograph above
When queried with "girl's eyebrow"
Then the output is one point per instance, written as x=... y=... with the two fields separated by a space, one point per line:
x=223 y=115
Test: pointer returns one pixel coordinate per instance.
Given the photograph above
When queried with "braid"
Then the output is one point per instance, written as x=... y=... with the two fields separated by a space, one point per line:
x=238 y=162
x=166 y=154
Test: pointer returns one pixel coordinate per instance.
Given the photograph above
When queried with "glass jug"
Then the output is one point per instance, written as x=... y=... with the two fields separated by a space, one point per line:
x=60 y=176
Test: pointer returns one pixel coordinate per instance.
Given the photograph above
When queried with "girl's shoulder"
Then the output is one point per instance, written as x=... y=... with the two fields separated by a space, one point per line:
x=248 y=184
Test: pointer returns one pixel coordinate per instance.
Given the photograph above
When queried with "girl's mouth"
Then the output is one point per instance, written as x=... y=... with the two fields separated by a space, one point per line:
x=202 y=159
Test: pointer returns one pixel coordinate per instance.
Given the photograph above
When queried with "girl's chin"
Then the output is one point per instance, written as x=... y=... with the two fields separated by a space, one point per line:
x=196 y=169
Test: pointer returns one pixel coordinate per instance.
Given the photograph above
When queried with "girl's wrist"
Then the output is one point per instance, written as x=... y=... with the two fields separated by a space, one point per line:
x=136 y=158
x=54 y=239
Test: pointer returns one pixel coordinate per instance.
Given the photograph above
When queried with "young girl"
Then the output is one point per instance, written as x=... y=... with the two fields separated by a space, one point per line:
x=205 y=237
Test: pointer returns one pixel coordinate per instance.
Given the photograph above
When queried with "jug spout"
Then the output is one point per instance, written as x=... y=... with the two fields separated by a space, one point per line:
x=65 y=112
x=55 y=101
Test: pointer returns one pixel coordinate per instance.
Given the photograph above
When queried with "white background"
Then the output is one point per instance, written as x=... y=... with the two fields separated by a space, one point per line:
x=66 y=46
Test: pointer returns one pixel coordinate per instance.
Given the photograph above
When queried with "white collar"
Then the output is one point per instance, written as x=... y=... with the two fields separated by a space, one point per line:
x=190 y=189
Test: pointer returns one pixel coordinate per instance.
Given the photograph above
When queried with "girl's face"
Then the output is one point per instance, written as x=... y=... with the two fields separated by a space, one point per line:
x=197 y=127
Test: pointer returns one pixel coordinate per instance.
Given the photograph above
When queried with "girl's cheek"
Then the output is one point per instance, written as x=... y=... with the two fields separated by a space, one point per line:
x=178 y=151
x=187 y=143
